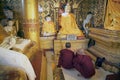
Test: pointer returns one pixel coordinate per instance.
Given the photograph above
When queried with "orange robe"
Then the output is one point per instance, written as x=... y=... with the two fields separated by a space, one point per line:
x=112 y=18
x=69 y=26
x=48 y=27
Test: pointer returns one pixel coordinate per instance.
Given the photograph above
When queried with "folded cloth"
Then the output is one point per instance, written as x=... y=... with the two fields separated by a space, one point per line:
x=16 y=59
x=23 y=44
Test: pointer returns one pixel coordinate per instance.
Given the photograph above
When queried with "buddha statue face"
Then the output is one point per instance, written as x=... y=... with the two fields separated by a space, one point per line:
x=48 y=18
x=67 y=8
x=10 y=23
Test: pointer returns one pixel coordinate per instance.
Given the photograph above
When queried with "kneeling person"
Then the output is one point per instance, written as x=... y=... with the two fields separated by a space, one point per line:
x=66 y=57
x=84 y=64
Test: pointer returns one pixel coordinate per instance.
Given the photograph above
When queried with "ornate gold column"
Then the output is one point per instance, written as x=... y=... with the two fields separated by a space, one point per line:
x=31 y=22
x=56 y=9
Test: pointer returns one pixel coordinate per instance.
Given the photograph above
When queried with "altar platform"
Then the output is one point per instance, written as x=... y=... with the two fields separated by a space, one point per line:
x=107 y=44
x=50 y=43
x=75 y=44
x=46 y=43
x=58 y=44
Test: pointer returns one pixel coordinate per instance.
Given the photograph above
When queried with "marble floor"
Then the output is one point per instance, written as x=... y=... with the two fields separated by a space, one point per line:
x=72 y=74
x=75 y=75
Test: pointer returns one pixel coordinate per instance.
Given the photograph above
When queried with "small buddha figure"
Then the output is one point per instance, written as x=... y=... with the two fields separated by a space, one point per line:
x=68 y=24
x=48 y=28
x=10 y=28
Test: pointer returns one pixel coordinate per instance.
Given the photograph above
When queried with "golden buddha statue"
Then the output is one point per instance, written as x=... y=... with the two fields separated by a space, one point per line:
x=112 y=18
x=68 y=24
x=10 y=28
x=48 y=28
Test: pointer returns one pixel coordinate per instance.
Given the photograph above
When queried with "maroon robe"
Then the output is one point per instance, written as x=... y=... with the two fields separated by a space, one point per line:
x=84 y=65
x=66 y=59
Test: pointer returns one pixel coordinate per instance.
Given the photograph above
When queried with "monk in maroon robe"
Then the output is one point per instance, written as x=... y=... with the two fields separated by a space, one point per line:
x=84 y=64
x=66 y=57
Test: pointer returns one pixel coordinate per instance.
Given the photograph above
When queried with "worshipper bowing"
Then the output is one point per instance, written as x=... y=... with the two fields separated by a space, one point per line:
x=83 y=64
x=68 y=23
x=88 y=22
x=66 y=57
x=48 y=28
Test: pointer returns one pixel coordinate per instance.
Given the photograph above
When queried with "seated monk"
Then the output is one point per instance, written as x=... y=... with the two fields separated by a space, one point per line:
x=68 y=24
x=66 y=57
x=83 y=64
x=48 y=28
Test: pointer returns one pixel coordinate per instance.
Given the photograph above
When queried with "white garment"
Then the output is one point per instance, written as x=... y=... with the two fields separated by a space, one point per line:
x=16 y=59
x=47 y=34
x=48 y=19
x=40 y=9
x=65 y=14
x=8 y=28
x=8 y=42
x=86 y=21
x=23 y=44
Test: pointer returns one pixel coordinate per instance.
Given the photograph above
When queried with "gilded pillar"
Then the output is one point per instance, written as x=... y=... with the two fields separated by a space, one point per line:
x=31 y=22
x=56 y=18
x=56 y=10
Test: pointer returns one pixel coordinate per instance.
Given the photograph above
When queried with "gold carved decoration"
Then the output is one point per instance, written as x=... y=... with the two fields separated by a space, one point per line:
x=97 y=7
x=56 y=9
x=75 y=6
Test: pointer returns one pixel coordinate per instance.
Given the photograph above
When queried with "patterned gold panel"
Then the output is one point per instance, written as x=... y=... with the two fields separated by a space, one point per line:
x=15 y=5
x=97 y=7
x=47 y=6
